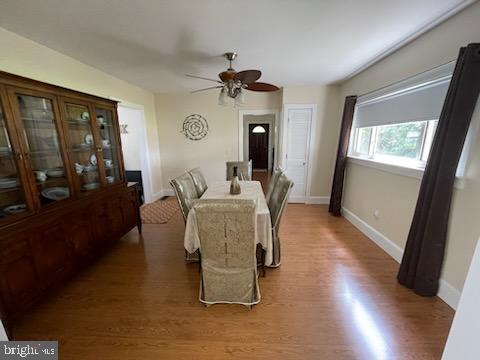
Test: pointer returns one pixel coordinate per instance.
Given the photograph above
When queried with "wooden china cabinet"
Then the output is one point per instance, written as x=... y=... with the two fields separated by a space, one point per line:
x=63 y=194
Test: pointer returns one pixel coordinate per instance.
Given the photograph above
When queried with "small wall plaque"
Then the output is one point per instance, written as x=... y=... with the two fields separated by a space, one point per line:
x=195 y=127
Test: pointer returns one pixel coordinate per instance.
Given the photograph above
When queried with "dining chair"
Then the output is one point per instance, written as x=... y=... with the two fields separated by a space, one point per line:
x=199 y=181
x=226 y=229
x=186 y=193
x=273 y=180
x=276 y=205
x=244 y=169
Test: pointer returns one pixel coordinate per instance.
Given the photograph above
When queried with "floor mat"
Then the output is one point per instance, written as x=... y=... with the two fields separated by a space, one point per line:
x=160 y=211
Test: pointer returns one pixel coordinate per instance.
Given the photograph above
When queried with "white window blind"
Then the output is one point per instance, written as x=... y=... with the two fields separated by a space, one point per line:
x=420 y=102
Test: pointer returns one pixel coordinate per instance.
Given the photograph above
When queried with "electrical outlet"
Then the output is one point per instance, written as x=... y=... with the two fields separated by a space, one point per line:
x=376 y=214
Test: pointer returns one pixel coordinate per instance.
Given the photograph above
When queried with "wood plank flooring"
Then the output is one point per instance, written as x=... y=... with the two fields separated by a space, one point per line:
x=334 y=297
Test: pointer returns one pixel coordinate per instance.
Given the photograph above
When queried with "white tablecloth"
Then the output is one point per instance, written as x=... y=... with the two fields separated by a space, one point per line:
x=221 y=190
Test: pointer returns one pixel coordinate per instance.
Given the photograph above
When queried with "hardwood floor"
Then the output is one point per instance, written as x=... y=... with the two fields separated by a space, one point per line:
x=334 y=297
x=262 y=176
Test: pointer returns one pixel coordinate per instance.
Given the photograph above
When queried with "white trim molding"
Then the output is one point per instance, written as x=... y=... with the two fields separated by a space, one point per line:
x=318 y=200
x=167 y=192
x=446 y=291
x=275 y=137
x=145 y=163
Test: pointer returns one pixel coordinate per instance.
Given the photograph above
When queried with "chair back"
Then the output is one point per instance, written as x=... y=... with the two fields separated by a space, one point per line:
x=276 y=205
x=185 y=192
x=199 y=181
x=244 y=169
x=226 y=229
x=273 y=180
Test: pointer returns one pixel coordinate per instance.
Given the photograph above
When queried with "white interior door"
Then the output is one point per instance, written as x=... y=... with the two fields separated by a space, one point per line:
x=299 y=123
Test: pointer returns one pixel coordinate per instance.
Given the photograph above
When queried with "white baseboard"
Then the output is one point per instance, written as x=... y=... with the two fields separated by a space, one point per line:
x=322 y=200
x=376 y=236
x=168 y=192
x=156 y=196
x=160 y=194
x=449 y=294
x=446 y=291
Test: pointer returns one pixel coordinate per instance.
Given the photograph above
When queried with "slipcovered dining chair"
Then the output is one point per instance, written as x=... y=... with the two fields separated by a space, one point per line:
x=244 y=169
x=199 y=181
x=226 y=229
x=276 y=205
x=185 y=193
x=273 y=181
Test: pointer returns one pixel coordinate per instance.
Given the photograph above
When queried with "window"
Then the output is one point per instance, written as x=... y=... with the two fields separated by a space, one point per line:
x=396 y=125
x=406 y=144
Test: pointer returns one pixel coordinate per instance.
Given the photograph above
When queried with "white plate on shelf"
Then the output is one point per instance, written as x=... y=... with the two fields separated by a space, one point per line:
x=89 y=167
x=85 y=115
x=110 y=179
x=93 y=160
x=55 y=172
x=56 y=193
x=8 y=183
x=91 y=186
x=88 y=139
x=15 y=209
x=101 y=120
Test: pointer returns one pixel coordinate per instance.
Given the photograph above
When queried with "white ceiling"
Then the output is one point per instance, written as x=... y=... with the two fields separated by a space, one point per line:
x=152 y=43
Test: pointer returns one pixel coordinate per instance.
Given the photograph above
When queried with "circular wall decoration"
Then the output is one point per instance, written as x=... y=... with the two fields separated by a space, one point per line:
x=195 y=127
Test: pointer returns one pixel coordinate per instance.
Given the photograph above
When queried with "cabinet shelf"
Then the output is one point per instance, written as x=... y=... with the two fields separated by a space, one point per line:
x=52 y=180
x=45 y=152
x=45 y=120
x=77 y=148
x=6 y=154
x=6 y=190
x=79 y=122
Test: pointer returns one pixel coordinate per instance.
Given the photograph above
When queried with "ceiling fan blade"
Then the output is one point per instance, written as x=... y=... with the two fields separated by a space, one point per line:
x=248 y=76
x=261 y=86
x=209 y=88
x=203 y=78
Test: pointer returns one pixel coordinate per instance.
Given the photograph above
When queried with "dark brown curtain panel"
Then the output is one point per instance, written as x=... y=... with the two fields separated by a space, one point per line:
x=337 y=185
x=424 y=251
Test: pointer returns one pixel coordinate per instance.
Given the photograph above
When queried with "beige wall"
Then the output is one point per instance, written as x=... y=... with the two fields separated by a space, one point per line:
x=24 y=57
x=395 y=196
x=221 y=144
x=328 y=124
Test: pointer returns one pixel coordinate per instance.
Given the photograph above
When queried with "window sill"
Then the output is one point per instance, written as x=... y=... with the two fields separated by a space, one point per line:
x=394 y=169
x=410 y=172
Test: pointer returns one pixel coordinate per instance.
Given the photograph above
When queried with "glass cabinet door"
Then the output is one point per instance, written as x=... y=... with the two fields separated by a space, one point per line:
x=12 y=192
x=106 y=125
x=43 y=145
x=82 y=146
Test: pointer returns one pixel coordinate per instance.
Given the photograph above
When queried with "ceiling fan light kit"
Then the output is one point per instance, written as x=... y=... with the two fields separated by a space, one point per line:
x=233 y=83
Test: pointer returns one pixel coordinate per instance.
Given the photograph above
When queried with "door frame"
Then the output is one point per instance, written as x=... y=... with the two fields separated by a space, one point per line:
x=144 y=154
x=311 y=143
x=274 y=135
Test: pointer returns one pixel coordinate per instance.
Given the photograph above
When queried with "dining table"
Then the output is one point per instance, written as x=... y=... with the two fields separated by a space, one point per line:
x=250 y=190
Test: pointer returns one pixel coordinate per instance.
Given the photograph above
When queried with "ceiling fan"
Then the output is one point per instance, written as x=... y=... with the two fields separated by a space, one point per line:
x=232 y=83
